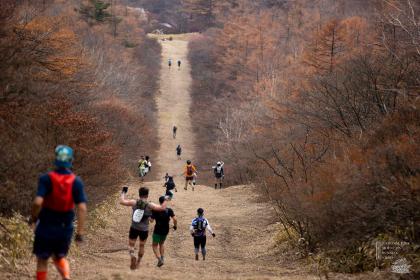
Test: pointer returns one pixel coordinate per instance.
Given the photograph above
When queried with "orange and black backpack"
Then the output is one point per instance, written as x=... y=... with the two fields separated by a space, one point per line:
x=189 y=170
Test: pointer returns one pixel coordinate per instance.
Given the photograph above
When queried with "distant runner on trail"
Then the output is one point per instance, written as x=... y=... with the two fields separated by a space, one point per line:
x=53 y=214
x=198 y=228
x=169 y=63
x=161 y=230
x=170 y=187
x=148 y=164
x=219 y=173
x=178 y=151
x=189 y=171
x=174 y=129
x=142 y=167
x=179 y=64
x=142 y=212
x=166 y=177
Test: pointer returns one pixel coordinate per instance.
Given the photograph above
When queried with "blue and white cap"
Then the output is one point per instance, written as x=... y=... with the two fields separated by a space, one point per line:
x=63 y=156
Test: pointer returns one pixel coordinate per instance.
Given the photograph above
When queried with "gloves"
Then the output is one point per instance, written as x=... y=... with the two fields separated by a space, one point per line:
x=175 y=227
x=31 y=221
x=78 y=238
x=125 y=189
x=213 y=234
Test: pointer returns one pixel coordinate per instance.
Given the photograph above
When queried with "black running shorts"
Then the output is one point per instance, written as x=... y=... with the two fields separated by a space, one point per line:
x=134 y=233
x=200 y=241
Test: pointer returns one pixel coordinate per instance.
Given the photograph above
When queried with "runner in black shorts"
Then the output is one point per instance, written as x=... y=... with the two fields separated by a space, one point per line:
x=170 y=187
x=198 y=228
x=142 y=212
x=219 y=174
x=189 y=172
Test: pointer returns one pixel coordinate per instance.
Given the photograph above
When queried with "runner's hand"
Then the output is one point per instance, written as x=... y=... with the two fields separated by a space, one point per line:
x=213 y=234
x=32 y=223
x=175 y=227
x=125 y=189
x=78 y=238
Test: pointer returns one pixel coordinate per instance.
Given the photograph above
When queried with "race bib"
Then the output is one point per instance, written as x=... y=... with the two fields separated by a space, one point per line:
x=138 y=215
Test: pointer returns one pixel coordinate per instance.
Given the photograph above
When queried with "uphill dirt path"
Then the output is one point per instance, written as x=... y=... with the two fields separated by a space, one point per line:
x=243 y=225
x=244 y=247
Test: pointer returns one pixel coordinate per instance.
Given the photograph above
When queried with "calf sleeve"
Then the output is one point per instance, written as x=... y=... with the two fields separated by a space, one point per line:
x=41 y=275
x=203 y=251
x=63 y=267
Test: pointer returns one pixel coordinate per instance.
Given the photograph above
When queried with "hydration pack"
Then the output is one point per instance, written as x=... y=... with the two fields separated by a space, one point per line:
x=138 y=212
x=189 y=170
x=218 y=169
x=170 y=185
x=199 y=225
x=142 y=164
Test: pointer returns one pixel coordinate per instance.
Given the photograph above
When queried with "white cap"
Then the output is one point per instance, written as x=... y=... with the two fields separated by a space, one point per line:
x=219 y=163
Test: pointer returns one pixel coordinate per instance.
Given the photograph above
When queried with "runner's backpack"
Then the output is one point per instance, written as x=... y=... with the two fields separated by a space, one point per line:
x=142 y=164
x=218 y=169
x=170 y=185
x=189 y=170
x=138 y=212
x=199 y=225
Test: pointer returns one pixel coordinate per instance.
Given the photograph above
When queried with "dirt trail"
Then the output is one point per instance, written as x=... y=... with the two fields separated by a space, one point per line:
x=243 y=247
x=242 y=224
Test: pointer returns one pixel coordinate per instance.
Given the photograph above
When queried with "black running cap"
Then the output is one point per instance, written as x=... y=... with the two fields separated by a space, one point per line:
x=162 y=199
x=200 y=211
x=188 y=161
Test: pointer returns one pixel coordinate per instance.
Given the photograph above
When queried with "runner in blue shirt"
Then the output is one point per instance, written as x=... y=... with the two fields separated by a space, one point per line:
x=53 y=214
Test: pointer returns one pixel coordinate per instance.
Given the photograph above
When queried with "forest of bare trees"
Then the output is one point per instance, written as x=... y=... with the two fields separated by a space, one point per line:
x=317 y=103
x=74 y=72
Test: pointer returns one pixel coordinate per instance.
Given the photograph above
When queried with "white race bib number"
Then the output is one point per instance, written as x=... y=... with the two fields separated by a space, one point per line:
x=138 y=215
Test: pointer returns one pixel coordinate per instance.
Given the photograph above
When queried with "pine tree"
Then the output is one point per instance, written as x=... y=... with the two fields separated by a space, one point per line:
x=95 y=11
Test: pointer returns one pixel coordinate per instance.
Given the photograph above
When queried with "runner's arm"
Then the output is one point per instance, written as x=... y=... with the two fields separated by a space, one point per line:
x=81 y=218
x=191 y=229
x=36 y=208
x=126 y=202
x=175 y=221
x=80 y=199
x=209 y=227
x=156 y=207
x=44 y=187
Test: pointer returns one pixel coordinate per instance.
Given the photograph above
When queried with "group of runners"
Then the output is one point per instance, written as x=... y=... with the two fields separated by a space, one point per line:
x=170 y=63
x=144 y=166
x=60 y=192
x=144 y=211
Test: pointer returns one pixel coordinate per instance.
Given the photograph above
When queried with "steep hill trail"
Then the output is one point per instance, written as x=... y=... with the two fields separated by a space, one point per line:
x=244 y=247
x=244 y=226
